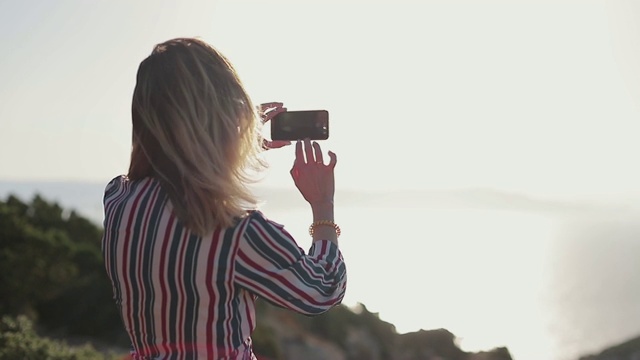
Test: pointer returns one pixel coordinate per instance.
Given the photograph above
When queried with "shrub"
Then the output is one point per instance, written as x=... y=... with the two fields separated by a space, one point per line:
x=18 y=340
x=51 y=269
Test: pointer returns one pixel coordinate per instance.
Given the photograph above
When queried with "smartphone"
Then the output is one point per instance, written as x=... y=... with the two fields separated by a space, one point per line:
x=298 y=125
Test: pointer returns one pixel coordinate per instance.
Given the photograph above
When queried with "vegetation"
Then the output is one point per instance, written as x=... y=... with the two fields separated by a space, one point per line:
x=18 y=340
x=51 y=272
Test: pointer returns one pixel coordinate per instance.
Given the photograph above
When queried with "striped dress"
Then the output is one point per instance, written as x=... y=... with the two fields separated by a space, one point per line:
x=182 y=296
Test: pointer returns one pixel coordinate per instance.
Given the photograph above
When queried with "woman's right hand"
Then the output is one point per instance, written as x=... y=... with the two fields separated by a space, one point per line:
x=312 y=177
x=267 y=112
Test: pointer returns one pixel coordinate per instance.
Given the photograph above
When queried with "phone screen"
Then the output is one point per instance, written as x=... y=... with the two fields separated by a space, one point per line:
x=298 y=125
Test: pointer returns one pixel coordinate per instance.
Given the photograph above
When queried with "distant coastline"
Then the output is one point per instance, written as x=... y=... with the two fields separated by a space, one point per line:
x=85 y=197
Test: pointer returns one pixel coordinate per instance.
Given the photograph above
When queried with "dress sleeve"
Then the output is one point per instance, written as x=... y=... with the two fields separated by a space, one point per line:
x=270 y=264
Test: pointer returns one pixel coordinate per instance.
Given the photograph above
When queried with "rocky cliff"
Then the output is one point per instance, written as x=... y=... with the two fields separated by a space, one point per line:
x=345 y=334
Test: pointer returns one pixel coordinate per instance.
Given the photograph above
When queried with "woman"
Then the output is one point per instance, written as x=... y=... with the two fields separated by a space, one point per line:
x=184 y=247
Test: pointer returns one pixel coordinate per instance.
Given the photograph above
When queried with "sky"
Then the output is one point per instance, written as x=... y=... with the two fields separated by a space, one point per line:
x=535 y=97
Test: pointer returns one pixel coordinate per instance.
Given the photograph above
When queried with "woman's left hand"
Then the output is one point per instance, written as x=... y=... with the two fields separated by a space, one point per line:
x=267 y=112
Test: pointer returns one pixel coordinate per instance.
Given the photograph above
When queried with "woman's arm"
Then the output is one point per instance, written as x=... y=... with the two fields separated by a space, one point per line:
x=316 y=183
x=270 y=264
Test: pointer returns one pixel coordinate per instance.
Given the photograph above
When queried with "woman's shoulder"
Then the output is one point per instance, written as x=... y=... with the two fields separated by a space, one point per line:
x=123 y=180
x=114 y=184
x=117 y=181
x=122 y=185
x=258 y=217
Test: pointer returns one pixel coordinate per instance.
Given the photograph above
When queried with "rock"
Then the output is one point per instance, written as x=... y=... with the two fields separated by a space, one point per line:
x=500 y=353
x=427 y=344
x=343 y=334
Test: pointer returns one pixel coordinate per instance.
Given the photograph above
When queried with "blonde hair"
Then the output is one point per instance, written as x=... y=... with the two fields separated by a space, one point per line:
x=195 y=130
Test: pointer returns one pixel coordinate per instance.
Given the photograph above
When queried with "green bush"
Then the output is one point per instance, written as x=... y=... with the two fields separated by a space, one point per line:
x=51 y=269
x=265 y=343
x=18 y=340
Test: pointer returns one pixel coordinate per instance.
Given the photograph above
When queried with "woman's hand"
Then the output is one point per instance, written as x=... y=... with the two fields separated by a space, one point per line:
x=312 y=177
x=267 y=112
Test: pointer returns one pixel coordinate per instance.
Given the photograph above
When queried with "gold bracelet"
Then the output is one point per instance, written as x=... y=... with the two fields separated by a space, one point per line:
x=324 y=222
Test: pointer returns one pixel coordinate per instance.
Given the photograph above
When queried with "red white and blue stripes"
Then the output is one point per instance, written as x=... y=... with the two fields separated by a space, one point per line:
x=182 y=296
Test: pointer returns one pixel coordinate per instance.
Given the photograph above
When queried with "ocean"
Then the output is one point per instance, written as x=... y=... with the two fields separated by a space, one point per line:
x=548 y=279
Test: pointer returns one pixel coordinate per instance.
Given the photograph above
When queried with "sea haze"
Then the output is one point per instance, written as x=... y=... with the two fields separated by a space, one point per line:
x=549 y=279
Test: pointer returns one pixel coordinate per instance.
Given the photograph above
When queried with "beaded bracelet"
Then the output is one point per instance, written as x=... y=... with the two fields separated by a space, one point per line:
x=324 y=222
